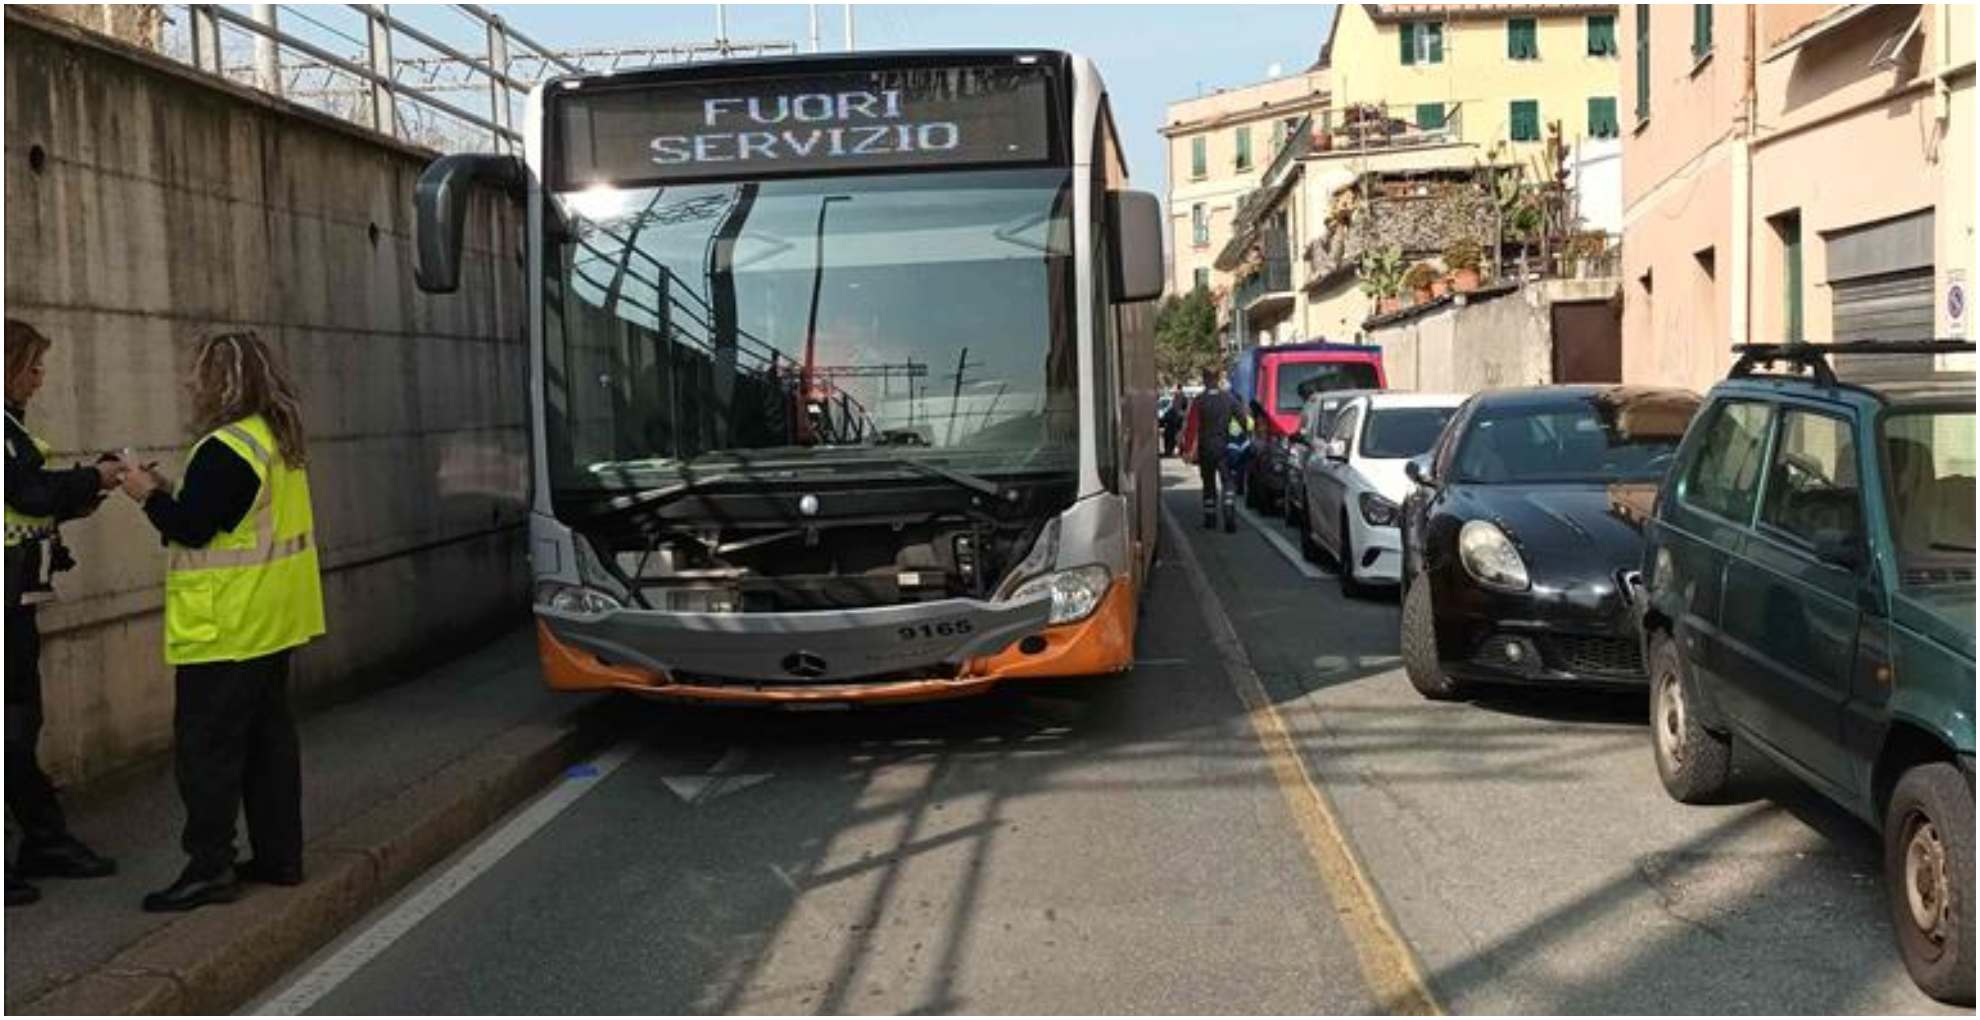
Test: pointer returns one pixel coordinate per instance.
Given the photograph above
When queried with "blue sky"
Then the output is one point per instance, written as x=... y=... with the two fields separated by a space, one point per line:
x=1150 y=55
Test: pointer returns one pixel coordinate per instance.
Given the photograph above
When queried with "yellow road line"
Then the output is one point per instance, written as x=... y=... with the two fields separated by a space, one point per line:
x=1388 y=964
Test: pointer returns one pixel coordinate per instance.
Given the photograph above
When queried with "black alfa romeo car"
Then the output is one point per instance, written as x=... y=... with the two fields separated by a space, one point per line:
x=1523 y=532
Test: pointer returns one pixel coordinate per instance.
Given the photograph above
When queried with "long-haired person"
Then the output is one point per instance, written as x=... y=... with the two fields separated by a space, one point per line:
x=38 y=500
x=241 y=592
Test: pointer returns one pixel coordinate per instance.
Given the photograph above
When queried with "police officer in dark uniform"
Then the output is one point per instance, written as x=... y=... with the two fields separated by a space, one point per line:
x=38 y=500
x=1216 y=423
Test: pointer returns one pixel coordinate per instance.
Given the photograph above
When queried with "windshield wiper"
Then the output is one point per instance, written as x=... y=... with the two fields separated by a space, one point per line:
x=661 y=495
x=974 y=483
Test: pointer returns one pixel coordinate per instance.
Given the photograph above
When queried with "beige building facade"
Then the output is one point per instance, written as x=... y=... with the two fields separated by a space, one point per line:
x=1218 y=145
x=1492 y=72
x=1793 y=172
x=1422 y=89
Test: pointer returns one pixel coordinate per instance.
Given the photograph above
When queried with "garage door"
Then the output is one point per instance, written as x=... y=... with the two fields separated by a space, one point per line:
x=1880 y=279
x=1894 y=306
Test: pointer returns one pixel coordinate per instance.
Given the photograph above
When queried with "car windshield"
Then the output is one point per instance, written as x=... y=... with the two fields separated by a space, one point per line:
x=1555 y=443
x=1932 y=471
x=809 y=322
x=1399 y=433
x=1299 y=380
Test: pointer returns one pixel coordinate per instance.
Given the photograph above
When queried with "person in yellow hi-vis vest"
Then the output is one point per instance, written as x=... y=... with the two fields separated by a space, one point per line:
x=39 y=498
x=242 y=591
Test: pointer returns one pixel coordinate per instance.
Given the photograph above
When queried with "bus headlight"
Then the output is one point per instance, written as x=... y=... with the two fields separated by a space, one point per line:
x=1490 y=557
x=1076 y=593
x=568 y=598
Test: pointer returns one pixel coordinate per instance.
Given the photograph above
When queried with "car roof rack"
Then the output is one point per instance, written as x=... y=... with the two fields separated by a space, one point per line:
x=1815 y=356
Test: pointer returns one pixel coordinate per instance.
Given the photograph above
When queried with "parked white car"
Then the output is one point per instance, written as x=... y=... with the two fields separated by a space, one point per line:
x=1355 y=483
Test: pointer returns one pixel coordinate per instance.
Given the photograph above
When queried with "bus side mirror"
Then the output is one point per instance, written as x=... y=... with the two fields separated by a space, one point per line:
x=440 y=201
x=1137 y=219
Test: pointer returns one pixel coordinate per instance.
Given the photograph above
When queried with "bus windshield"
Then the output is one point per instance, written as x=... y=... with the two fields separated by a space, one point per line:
x=811 y=320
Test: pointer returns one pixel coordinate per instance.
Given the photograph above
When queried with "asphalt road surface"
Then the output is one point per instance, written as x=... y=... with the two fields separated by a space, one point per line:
x=1133 y=845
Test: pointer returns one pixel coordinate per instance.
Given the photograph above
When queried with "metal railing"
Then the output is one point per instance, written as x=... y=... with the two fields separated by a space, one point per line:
x=453 y=77
x=1368 y=127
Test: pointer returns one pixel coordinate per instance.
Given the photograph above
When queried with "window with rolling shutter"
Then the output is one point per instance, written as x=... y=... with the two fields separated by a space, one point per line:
x=1422 y=42
x=1526 y=120
x=1522 y=39
x=1602 y=117
x=1602 y=35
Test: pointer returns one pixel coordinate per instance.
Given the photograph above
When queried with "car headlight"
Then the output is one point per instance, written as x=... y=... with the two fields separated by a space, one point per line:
x=570 y=598
x=1076 y=593
x=1378 y=511
x=1490 y=557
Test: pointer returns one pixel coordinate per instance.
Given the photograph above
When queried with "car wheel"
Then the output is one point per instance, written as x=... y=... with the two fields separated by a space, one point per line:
x=1693 y=762
x=1419 y=647
x=1309 y=550
x=1351 y=586
x=1928 y=871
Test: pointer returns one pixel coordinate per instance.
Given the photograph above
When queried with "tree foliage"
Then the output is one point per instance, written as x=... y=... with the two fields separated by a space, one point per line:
x=1186 y=338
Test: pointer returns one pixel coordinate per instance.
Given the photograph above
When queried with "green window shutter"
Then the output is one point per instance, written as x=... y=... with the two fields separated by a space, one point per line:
x=1522 y=39
x=1436 y=54
x=1526 y=120
x=1701 y=30
x=1602 y=117
x=1642 y=61
x=1244 y=148
x=1430 y=116
x=1199 y=156
x=1602 y=35
x=1408 y=41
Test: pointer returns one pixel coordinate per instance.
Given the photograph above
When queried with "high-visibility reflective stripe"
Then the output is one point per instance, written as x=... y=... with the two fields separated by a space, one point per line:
x=204 y=559
x=260 y=452
x=17 y=533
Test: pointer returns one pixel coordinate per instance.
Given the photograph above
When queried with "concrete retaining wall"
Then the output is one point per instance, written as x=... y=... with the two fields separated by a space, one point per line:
x=147 y=205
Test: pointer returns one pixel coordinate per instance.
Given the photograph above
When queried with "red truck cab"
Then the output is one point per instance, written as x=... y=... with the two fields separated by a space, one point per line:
x=1278 y=379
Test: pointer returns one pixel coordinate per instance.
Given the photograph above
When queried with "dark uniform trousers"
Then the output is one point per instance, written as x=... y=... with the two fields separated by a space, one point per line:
x=30 y=796
x=238 y=750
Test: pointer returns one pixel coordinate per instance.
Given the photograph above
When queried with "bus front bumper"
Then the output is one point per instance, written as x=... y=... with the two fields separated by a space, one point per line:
x=755 y=659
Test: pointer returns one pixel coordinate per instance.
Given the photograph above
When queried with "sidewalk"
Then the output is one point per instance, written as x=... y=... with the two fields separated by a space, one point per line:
x=392 y=782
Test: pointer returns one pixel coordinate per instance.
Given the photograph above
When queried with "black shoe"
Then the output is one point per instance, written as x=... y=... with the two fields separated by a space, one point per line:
x=19 y=893
x=66 y=857
x=1230 y=524
x=189 y=893
x=254 y=871
x=1209 y=519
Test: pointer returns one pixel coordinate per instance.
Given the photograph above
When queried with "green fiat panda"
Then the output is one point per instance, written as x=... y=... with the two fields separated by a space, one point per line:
x=1807 y=590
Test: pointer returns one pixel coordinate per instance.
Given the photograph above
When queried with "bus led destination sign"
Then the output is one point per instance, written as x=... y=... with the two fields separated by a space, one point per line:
x=819 y=123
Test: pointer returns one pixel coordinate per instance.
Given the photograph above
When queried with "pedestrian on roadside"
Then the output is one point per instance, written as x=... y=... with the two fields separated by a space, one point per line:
x=1172 y=421
x=242 y=592
x=1216 y=427
x=38 y=501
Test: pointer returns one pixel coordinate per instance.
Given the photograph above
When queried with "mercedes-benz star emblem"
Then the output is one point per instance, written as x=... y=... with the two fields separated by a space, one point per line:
x=808 y=505
x=804 y=664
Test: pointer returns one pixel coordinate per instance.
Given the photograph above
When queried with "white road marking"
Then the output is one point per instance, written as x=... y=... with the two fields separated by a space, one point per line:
x=721 y=778
x=419 y=903
x=1272 y=533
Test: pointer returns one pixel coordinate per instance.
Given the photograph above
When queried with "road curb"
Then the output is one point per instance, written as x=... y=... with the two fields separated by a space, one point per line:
x=216 y=959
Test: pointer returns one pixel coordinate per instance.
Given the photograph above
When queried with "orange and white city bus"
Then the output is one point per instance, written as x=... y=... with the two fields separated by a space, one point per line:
x=842 y=379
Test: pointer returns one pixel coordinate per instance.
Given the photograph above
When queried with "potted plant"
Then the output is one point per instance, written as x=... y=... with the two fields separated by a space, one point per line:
x=1464 y=256
x=1418 y=281
x=1381 y=278
x=1585 y=248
